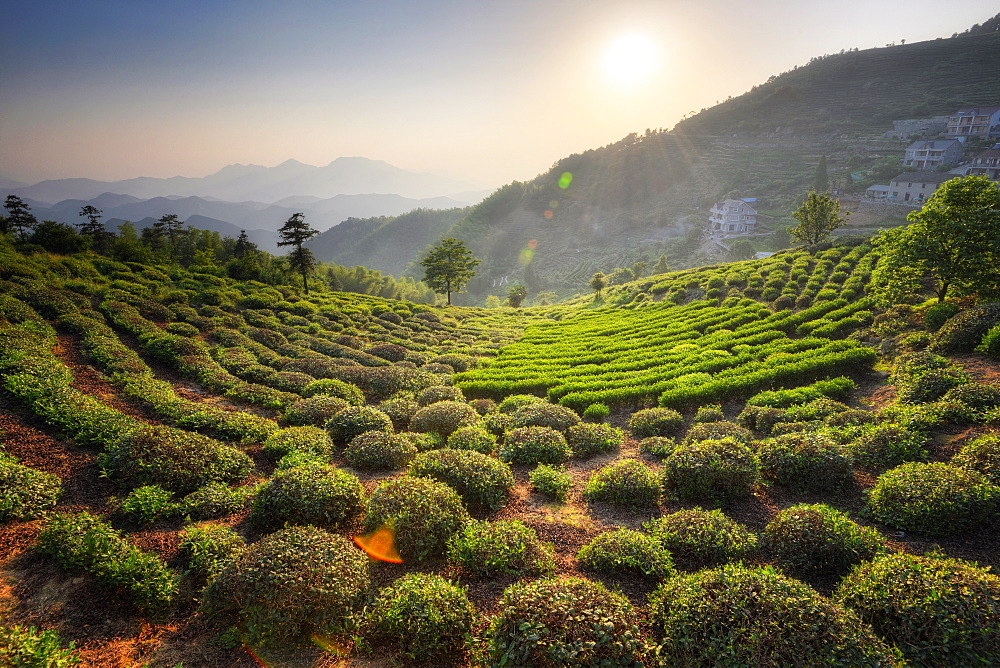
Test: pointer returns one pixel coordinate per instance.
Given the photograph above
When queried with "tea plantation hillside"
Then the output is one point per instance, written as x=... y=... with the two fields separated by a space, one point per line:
x=751 y=463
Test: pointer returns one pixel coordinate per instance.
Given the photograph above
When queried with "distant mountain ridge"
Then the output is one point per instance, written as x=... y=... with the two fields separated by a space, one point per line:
x=236 y=183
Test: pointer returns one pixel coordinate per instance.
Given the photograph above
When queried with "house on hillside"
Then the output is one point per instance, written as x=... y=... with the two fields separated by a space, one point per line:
x=917 y=127
x=987 y=163
x=931 y=154
x=878 y=192
x=974 y=122
x=733 y=216
x=916 y=187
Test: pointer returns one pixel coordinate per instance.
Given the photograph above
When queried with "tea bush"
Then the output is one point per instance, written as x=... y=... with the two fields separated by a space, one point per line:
x=698 y=538
x=444 y=417
x=424 y=441
x=400 y=410
x=490 y=549
x=718 y=471
x=626 y=482
x=473 y=438
x=295 y=582
x=596 y=412
x=436 y=393
x=587 y=439
x=482 y=481
x=974 y=395
x=323 y=496
x=379 y=451
x=657 y=446
x=27 y=492
x=981 y=454
x=215 y=500
x=938 y=611
x=484 y=406
x=209 y=548
x=516 y=401
x=30 y=647
x=565 y=622
x=806 y=463
x=964 y=331
x=553 y=481
x=331 y=387
x=302 y=439
x=356 y=420
x=148 y=503
x=626 y=551
x=543 y=414
x=709 y=413
x=887 y=445
x=422 y=514
x=819 y=539
x=427 y=616
x=706 y=431
x=936 y=315
x=935 y=499
x=990 y=344
x=534 y=445
x=655 y=422
x=747 y=616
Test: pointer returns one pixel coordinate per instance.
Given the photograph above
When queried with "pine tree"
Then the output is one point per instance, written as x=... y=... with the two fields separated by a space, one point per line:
x=295 y=232
x=821 y=184
x=19 y=216
x=171 y=227
x=94 y=228
x=661 y=266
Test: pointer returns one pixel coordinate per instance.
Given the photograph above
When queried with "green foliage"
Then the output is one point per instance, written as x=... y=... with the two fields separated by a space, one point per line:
x=209 y=548
x=149 y=503
x=707 y=431
x=740 y=615
x=331 y=387
x=426 y=615
x=485 y=550
x=657 y=446
x=716 y=471
x=324 y=496
x=553 y=481
x=516 y=401
x=935 y=499
x=421 y=513
x=379 y=451
x=698 y=538
x=990 y=344
x=34 y=648
x=482 y=481
x=887 y=445
x=936 y=315
x=295 y=582
x=625 y=482
x=473 y=438
x=355 y=420
x=818 y=216
x=298 y=439
x=626 y=551
x=596 y=412
x=543 y=414
x=938 y=611
x=981 y=454
x=965 y=331
x=534 y=445
x=215 y=500
x=565 y=622
x=819 y=539
x=836 y=388
x=709 y=413
x=437 y=393
x=444 y=417
x=655 y=422
x=400 y=410
x=587 y=439
x=806 y=463
x=448 y=267
x=976 y=396
x=27 y=492
x=84 y=542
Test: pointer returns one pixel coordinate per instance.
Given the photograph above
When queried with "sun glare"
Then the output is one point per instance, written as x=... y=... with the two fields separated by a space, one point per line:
x=631 y=59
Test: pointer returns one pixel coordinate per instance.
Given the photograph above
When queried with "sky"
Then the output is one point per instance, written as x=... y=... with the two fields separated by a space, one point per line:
x=483 y=91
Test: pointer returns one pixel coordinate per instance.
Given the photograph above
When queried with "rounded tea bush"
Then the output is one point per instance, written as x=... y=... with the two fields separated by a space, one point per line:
x=806 y=463
x=484 y=406
x=515 y=401
x=426 y=615
x=436 y=393
x=587 y=439
x=324 y=496
x=292 y=583
x=974 y=395
x=302 y=439
x=422 y=514
x=553 y=481
x=27 y=492
x=706 y=431
x=698 y=538
x=938 y=611
x=564 y=622
x=544 y=414
x=884 y=446
x=709 y=413
x=711 y=470
x=380 y=451
x=491 y=549
x=400 y=410
x=981 y=454
x=482 y=481
x=738 y=615
x=819 y=539
x=655 y=422
x=314 y=411
x=596 y=412
x=473 y=438
x=356 y=420
x=444 y=417
x=935 y=499
x=534 y=445
x=215 y=500
x=627 y=551
x=658 y=446
x=331 y=387
x=625 y=482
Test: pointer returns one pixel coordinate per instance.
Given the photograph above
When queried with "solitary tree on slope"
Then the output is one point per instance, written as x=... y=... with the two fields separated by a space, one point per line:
x=818 y=216
x=448 y=267
x=295 y=232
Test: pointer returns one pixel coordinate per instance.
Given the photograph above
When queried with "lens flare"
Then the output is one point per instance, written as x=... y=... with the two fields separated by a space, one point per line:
x=380 y=544
x=533 y=244
x=526 y=256
x=554 y=204
x=565 y=180
x=548 y=214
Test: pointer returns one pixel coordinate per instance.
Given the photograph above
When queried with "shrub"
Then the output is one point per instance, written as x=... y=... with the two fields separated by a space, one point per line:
x=148 y=503
x=379 y=451
x=421 y=513
x=707 y=431
x=32 y=648
x=626 y=482
x=626 y=551
x=938 y=611
x=291 y=381
x=745 y=616
x=209 y=548
x=553 y=481
x=436 y=393
x=587 y=439
x=331 y=387
x=709 y=413
x=482 y=481
x=930 y=385
x=658 y=446
x=711 y=470
x=323 y=496
x=655 y=422
x=426 y=615
x=964 y=331
x=981 y=454
x=424 y=441
x=27 y=492
x=484 y=406
x=806 y=463
x=473 y=438
x=356 y=420
x=990 y=344
x=819 y=539
x=974 y=395
x=936 y=315
x=400 y=410
x=179 y=461
x=543 y=414
x=292 y=583
x=301 y=439
x=564 y=622
x=935 y=499
x=215 y=500
x=497 y=423
x=389 y=351
x=596 y=412
x=314 y=411
x=490 y=549
x=887 y=445
x=534 y=445
x=698 y=538
x=444 y=417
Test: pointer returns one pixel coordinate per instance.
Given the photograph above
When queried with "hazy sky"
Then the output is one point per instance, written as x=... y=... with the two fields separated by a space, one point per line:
x=487 y=91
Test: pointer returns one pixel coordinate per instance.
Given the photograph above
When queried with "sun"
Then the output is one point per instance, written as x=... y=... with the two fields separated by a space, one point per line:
x=631 y=59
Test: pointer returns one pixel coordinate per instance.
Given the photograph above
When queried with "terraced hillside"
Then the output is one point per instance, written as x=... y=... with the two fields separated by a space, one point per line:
x=204 y=472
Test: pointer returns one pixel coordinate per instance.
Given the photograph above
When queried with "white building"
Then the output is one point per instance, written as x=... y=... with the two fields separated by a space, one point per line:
x=732 y=216
x=931 y=154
